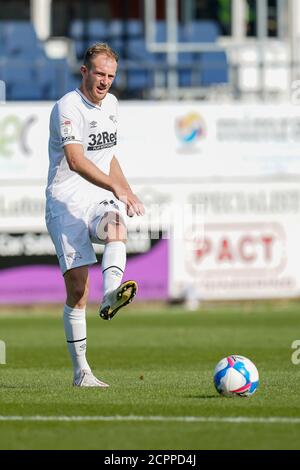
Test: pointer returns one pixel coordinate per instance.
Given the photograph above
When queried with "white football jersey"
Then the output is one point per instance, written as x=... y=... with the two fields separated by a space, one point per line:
x=74 y=119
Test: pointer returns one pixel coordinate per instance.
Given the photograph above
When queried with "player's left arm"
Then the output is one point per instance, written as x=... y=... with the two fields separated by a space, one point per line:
x=133 y=204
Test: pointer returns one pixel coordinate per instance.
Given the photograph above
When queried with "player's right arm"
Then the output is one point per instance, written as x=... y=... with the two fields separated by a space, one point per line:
x=86 y=168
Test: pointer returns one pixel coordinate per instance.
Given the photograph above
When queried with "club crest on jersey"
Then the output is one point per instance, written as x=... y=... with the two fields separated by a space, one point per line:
x=113 y=119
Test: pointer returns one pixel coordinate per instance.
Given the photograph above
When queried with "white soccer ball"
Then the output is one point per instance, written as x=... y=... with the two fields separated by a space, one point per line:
x=236 y=375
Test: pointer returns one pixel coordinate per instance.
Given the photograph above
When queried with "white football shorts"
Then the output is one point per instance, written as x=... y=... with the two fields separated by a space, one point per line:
x=74 y=233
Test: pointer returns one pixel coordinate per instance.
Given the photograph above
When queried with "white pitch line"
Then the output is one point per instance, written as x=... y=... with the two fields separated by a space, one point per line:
x=179 y=419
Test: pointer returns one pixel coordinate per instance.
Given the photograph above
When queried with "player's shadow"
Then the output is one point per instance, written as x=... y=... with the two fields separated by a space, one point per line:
x=4 y=386
x=202 y=397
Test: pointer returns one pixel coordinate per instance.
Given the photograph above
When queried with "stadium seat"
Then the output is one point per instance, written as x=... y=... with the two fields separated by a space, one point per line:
x=139 y=79
x=92 y=28
x=115 y=29
x=27 y=72
x=80 y=47
x=63 y=77
x=26 y=92
x=134 y=28
x=185 y=74
x=20 y=39
x=160 y=31
x=17 y=70
x=137 y=52
x=134 y=78
x=201 y=68
x=55 y=78
x=2 y=49
x=73 y=81
x=19 y=76
x=47 y=78
x=208 y=69
x=199 y=31
x=76 y=29
x=97 y=30
x=86 y=34
x=120 y=32
x=214 y=68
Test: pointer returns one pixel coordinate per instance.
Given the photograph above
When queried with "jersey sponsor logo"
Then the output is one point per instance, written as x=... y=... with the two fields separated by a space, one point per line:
x=102 y=140
x=93 y=124
x=66 y=139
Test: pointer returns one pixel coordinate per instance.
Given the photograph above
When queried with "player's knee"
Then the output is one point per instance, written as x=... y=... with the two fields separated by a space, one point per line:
x=115 y=228
x=117 y=232
x=77 y=293
x=80 y=293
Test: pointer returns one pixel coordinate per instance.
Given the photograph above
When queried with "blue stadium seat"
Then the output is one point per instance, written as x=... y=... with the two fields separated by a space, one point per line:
x=97 y=30
x=137 y=52
x=196 y=31
x=56 y=79
x=17 y=70
x=63 y=77
x=2 y=49
x=201 y=68
x=20 y=39
x=80 y=47
x=160 y=31
x=39 y=79
x=133 y=77
x=86 y=34
x=199 y=31
x=118 y=45
x=46 y=75
x=139 y=79
x=76 y=29
x=93 y=29
x=135 y=28
x=26 y=92
x=73 y=82
x=19 y=76
x=209 y=69
x=185 y=75
x=115 y=29
x=214 y=68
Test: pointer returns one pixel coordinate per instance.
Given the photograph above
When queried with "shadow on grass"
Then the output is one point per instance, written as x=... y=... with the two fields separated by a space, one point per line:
x=8 y=386
x=202 y=396
x=17 y=386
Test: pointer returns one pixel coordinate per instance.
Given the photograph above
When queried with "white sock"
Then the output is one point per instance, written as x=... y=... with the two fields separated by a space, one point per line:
x=75 y=331
x=113 y=265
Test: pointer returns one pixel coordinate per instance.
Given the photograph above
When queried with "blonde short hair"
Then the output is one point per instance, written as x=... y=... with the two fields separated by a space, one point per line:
x=96 y=49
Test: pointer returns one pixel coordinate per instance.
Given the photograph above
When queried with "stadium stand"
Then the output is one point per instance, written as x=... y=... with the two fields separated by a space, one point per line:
x=201 y=68
x=28 y=73
x=31 y=75
x=19 y=39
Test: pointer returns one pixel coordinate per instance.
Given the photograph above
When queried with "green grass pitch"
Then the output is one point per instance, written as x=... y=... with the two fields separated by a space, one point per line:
x=159 y=362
